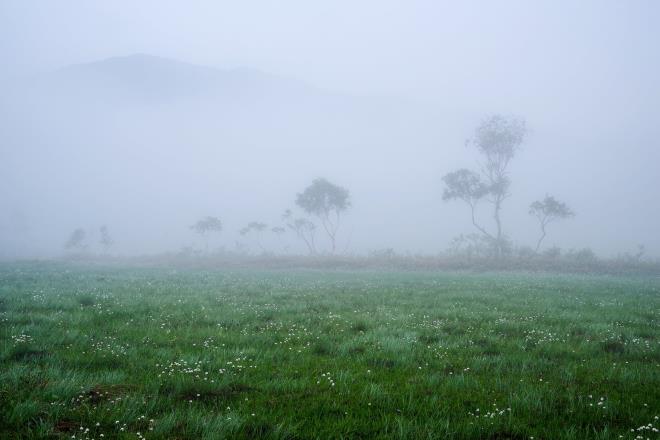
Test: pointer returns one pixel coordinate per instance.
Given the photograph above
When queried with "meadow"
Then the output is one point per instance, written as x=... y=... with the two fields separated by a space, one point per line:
x=104 y=352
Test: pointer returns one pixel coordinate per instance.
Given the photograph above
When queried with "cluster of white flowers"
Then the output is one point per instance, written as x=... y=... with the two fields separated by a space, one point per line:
x=193 y=369
x=495 y=412
x=39 y=297
x=542 y=336
x=599 y=403
x=87 y=433
x=199 y=370
x=21 y=339
x=326 y=378
x=644 y=430
x=109 y=345
x=209 y=343
x=239 y=364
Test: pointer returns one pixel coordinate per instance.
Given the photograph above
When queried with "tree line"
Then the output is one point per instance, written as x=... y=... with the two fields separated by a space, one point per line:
x=322 y=204
x=322 y=200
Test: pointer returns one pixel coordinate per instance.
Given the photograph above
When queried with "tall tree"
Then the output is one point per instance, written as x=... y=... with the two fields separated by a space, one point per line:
x=206 y=226
x=327 y=202
x=497 y=139
x=547 y=210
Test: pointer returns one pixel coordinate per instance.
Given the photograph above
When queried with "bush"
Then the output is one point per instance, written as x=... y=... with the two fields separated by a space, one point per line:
x=585 y=255
x=525 y=252
x=552 y=253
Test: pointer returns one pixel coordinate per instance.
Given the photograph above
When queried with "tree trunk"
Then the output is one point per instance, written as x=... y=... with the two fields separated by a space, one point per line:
x=331 y=230
x=538 y=243
x=310 y=244
x=476 y=225
x=332 y=242
x=496 y=215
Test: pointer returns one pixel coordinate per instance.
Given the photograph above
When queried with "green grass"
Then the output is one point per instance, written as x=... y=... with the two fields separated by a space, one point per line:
x=197 y=354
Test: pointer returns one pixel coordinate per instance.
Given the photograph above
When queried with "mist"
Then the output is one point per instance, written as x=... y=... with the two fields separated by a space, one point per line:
x=147 y=117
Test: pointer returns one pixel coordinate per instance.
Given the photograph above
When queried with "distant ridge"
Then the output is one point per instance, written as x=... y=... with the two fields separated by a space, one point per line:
x=155 y=76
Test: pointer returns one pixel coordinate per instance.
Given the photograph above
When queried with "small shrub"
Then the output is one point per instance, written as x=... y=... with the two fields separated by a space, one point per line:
x=322 y=348
x=615 y=347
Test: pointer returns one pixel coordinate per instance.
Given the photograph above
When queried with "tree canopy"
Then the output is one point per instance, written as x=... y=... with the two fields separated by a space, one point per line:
x=77 y=240
x=322 y=198
x=465 y=185
x=205 y=226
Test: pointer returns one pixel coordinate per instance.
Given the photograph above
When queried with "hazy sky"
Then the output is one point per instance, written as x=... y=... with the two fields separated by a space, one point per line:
x=503 y=52
x=584 y=74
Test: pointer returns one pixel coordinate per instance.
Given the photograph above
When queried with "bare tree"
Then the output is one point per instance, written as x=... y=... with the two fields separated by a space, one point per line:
x=279 y=232
x=205 y=226
x=304 y=229
x=547 y=210
x=255 y=228
x=326 y=201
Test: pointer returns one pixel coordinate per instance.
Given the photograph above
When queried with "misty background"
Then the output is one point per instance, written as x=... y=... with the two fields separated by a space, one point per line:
x=145 y=116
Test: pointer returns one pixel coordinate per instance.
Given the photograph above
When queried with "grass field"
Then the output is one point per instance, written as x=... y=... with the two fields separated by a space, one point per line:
x=101 y=352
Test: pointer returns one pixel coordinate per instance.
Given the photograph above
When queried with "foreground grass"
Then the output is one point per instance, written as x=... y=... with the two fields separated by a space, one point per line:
x=146 y=353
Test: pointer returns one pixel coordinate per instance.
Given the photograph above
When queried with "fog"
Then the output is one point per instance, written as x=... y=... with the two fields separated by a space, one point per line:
x=147 y=116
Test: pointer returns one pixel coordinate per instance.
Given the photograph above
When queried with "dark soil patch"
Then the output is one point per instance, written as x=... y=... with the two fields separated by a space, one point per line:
x=21 y=353
x=222 y=394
